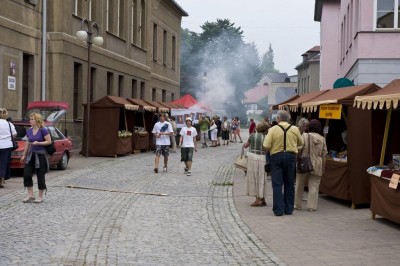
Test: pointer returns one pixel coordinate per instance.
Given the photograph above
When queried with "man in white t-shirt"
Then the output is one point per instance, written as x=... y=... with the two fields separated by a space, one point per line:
x=162 y=131
x=188 y=144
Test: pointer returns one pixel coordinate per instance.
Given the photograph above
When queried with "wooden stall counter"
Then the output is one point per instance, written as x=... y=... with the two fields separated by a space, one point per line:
x=385 y=201
x=335 y=180
x=140 y=141
x=123 y=146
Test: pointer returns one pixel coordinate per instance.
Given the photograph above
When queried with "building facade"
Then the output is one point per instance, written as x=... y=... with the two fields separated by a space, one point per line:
x=308 y=71
x=139 y=57
x=359 y=40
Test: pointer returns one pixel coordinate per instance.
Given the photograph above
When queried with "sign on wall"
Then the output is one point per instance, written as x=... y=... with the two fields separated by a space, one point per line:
x=330 y=111
x=11 y=76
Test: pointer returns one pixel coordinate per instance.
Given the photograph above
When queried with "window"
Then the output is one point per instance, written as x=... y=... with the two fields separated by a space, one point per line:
x=154 y=95
x=164 y=96
x=93 y=80
x=110 y=81
x=142 y=26
x=78 y=91
x=173 y=52
x=121 y=19
x=78 y=8
x=172 y=97
x=134 y=22
x=165 y=48
x=120 y=85
x=142 y=90
x=155 y=42
x=134 y=88
x=387 y=14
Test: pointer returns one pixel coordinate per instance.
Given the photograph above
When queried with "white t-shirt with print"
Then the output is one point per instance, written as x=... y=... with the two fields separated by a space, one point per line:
x=163 y=139
x=187 y=136
x=5 y=135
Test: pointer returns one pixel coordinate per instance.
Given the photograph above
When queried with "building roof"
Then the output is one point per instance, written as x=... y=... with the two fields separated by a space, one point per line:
x=284 y=93
x=184 y=13
x=315 y=49
x=277 y=77
x=256 y=94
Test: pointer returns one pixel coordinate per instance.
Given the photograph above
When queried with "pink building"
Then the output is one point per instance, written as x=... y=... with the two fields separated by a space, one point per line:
x=360 y=40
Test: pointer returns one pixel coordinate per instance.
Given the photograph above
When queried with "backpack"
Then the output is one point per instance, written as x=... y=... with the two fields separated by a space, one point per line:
x=51 y=149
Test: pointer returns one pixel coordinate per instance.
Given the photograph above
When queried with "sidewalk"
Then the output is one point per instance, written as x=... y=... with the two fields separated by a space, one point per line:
x=333 y=235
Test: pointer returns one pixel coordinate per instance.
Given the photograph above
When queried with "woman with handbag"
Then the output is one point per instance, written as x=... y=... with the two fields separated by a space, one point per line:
x=35 y=157
x=256 y=184
x=315 y=148
x=7 y=133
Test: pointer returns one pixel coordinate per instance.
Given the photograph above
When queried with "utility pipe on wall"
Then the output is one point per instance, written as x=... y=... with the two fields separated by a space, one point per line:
x=44 y=46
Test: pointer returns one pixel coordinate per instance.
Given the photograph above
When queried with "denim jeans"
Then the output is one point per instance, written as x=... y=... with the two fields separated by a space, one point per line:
x=283 y=165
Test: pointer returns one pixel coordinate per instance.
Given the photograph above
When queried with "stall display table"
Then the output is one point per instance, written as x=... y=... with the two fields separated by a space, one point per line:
x=335 y=180
x=123 y=146
x=140 y=141
x=385 y=201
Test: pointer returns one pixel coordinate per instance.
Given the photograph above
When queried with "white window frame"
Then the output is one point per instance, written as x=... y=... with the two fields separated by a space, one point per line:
x=396 y=17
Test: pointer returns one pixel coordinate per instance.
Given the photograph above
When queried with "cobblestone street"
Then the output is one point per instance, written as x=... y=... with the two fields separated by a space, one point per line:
x=118 y=212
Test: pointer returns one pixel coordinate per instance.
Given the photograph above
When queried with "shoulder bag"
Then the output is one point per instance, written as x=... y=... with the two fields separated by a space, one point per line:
x=241 y=161
x=14 y=143
x=50 y=149
x=304 y=164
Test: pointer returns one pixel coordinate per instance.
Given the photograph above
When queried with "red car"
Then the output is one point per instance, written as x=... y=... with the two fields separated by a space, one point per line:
x=51 y=112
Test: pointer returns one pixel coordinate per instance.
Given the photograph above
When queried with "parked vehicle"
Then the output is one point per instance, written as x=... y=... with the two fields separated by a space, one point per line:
x=62 y=144
x=52 y=112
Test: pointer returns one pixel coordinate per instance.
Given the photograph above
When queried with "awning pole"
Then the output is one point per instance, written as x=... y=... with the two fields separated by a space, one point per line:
x=385 y=136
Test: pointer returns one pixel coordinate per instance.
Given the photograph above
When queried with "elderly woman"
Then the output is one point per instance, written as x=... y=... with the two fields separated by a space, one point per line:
x=256 y=177
x=6 y=130
x=317 y=151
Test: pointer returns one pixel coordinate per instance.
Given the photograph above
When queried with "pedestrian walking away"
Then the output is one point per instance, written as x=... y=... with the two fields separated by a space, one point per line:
x=315 y=146
x=35 y=157
x=187 y=143
x=282 y=142
x=256 y=177
x=162 y=131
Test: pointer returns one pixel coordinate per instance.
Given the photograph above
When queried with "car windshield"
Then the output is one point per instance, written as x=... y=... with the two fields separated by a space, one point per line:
x=48 y=114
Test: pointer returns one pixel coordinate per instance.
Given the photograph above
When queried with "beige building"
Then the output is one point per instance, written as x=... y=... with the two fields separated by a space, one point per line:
x=308 y=71
x=139 y=57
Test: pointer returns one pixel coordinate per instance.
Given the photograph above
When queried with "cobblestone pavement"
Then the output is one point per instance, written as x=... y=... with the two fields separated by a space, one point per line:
x=118 y=212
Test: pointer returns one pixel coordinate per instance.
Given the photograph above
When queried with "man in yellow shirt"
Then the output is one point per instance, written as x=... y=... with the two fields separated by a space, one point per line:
x=282 y=141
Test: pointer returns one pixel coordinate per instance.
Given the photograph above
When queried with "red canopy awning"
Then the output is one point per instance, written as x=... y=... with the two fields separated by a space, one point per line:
x=187 y=101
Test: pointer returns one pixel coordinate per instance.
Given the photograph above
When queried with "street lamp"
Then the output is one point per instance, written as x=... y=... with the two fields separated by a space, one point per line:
x=204 y=78
x=87 y=35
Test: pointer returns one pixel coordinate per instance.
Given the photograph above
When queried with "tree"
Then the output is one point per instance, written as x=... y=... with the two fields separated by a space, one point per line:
x=220 y=49
x=267 y=62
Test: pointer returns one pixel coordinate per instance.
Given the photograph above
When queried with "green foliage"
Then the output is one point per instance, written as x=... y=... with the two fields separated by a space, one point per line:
x=220 y=46
x=267 y=62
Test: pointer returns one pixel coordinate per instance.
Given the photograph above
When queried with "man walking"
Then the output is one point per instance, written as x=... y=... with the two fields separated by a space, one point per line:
x=162 y=131
x=282 y=142
x=188 y=144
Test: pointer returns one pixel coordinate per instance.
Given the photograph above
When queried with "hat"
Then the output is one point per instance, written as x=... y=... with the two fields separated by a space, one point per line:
x=189 y=118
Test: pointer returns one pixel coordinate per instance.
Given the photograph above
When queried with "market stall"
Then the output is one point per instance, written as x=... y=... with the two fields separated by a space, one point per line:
x=108 y=127
x=385 y=188
x=347 y=130
x=142 y=125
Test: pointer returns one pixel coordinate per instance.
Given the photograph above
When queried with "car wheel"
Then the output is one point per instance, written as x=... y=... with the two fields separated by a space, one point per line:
x=63 y=163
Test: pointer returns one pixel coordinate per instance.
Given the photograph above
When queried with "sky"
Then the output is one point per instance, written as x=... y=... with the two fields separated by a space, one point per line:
x=287 y=24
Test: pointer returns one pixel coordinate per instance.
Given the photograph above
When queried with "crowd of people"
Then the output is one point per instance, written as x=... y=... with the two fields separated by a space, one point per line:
x=278 y=144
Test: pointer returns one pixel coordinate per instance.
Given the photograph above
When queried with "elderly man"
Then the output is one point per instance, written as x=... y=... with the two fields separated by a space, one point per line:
x=282 y=142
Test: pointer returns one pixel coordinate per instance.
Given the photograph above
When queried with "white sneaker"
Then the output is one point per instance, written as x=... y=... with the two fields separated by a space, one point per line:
x=165 y=169
x=189 y=173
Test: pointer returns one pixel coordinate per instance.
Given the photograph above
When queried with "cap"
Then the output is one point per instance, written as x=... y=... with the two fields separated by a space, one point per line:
x=189 y=118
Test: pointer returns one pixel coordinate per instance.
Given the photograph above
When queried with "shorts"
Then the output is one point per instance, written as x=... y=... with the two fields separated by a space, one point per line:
x=162 y=149
x=187 y=154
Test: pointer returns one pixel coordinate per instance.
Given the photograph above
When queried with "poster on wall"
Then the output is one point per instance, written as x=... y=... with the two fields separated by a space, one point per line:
x=11 y=76
x=11 y=83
